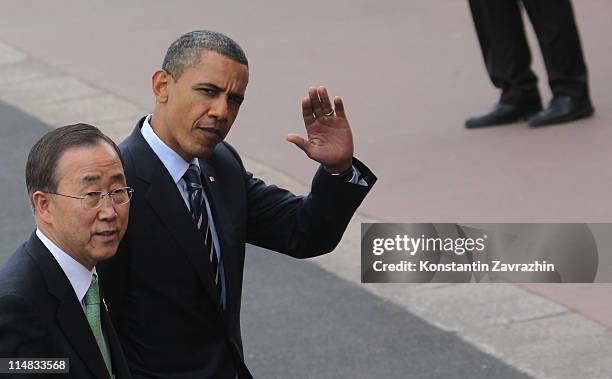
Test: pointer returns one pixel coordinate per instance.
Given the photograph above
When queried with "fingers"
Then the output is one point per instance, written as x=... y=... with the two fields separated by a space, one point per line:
x=317 y=104
x=319 y=100
x=315 y=101
x=307 y=111
x=326 y=106
x=339 y=105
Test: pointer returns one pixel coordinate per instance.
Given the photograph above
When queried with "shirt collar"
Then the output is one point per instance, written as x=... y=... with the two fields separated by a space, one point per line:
x=77 y=274
x=174 y=163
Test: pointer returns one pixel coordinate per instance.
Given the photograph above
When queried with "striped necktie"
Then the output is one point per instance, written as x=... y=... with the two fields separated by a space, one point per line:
x=92 y=303
x=197 y=206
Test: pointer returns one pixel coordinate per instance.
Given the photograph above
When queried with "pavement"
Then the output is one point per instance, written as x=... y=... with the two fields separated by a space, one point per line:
x=299 y=320
x=404 y=70
x=18 y=132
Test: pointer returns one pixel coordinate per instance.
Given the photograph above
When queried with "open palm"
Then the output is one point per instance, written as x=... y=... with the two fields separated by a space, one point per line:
x=330 y=140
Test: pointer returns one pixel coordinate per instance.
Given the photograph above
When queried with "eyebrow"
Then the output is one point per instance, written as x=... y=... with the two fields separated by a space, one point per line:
x=233 y=95
x=90 y=178
x=95 y=178
x=118 y=176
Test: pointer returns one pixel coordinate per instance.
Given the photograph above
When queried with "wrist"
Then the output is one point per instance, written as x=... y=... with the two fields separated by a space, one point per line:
x=339 y=169
x=344 y=176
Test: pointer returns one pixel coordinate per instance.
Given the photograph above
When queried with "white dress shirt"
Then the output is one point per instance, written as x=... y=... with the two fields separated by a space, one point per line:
x=77 y=274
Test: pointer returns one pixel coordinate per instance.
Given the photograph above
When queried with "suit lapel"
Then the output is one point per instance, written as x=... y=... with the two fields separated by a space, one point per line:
x=166 y=201
x=70 y=315
x=120 y=366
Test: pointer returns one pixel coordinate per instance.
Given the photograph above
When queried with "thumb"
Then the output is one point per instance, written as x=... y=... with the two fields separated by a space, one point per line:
x=298 y=141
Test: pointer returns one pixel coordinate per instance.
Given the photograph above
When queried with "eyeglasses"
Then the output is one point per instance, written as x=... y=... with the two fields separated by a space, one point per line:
x=119 y=196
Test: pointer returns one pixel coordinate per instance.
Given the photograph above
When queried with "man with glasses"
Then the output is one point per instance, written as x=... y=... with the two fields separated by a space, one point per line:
x=51 y=305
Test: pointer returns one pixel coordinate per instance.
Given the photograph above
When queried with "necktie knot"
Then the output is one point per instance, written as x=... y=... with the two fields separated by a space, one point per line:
x=195 y=190
x=193 y=178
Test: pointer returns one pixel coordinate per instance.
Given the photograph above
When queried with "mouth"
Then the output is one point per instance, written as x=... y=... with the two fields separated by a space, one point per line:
x=213 y=133
x=107 y=235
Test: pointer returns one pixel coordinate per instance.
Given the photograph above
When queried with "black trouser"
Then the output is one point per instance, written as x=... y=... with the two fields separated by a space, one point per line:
x=501 y=34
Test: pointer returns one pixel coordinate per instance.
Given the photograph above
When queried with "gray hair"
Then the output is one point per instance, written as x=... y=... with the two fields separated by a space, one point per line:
x=186 y=51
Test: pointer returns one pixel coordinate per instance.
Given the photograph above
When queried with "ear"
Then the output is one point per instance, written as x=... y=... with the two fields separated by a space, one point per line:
x=42 y=205
x=160 y=81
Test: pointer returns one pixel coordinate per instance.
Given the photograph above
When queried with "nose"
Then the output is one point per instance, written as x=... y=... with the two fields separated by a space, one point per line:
x=219 y=109
x=107 y=208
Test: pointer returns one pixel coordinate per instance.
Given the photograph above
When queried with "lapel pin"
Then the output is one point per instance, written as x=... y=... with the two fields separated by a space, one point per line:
x=212 y=179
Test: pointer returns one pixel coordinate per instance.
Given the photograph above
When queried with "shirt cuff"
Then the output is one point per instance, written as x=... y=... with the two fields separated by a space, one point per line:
x=357 y=179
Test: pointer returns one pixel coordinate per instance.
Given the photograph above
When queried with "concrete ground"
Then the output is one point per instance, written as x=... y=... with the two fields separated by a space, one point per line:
x=299 y=320
x=410 y=73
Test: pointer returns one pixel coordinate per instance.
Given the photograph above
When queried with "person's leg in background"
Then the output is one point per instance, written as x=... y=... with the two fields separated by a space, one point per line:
x=555 y=27
x=502 y=39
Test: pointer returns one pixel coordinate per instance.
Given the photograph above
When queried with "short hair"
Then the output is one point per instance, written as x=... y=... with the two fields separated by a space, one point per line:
x=187 y=50
x=42 y=161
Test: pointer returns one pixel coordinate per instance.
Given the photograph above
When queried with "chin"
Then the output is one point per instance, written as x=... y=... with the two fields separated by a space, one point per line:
x=205 y=153
x=107 y=253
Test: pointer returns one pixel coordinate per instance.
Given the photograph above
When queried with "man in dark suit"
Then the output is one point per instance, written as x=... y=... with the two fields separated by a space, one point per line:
x=504 y=47
x=176 y=283
x=50 y=300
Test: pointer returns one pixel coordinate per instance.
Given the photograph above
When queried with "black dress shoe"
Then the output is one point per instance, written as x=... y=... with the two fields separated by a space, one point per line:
x=562 y=109
x=502 y=114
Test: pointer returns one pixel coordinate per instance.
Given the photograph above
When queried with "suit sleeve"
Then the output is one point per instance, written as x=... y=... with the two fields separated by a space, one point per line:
x=22 y=333
x=303 y=226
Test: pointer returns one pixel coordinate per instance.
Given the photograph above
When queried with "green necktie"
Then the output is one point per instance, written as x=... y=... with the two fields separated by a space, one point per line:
x=92 y=302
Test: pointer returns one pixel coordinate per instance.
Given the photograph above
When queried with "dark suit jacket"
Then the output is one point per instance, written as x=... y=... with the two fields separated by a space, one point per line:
x=41 y=317
x=160 y=288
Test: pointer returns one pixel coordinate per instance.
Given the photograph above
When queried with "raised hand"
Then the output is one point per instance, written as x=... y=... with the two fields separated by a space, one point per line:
x=330 y=140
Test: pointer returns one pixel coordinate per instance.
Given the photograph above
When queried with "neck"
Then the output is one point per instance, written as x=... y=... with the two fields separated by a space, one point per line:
x=161 y=129
x=48 y=232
